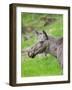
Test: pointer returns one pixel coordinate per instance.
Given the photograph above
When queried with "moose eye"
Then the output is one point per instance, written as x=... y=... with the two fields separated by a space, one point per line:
x=41 y=42
x=39 y=45
x=40 y=33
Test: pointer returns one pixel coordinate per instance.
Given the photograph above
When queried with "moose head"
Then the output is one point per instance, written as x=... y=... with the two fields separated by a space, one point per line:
x=41 y=46
x=38 y=48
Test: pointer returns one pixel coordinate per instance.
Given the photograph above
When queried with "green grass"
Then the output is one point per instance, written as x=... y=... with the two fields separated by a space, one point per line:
x=40 y=65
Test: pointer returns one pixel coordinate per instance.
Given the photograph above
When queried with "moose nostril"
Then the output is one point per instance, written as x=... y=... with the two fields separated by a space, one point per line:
x=30 y=54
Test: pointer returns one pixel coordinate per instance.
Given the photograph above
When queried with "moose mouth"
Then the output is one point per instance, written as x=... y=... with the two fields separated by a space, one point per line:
x=32 y=56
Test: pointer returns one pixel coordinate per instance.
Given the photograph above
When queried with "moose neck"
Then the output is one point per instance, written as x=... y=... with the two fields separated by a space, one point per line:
x=52 y=46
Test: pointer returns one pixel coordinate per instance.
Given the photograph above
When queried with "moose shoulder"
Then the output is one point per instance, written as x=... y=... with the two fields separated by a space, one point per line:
x=50 y=45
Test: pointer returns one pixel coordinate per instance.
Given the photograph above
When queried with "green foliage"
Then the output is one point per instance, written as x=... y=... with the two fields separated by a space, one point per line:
x=40 y=65
x=27 y=43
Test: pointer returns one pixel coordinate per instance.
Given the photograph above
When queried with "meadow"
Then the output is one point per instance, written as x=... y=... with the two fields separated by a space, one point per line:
x=41 y=65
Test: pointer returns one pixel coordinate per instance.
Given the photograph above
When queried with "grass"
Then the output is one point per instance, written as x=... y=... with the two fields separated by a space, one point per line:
x=40 y=65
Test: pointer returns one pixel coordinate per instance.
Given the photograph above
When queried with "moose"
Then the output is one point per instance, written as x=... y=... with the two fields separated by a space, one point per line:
x=48 y=44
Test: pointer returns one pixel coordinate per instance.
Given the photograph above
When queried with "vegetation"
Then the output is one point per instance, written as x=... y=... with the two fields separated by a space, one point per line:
x=41 y=65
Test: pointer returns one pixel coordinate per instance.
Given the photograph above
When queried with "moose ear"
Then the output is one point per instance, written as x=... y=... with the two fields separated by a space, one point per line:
x=45 y=34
